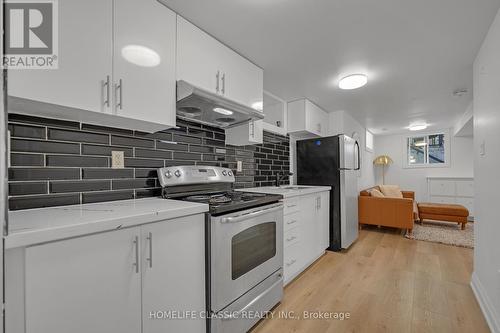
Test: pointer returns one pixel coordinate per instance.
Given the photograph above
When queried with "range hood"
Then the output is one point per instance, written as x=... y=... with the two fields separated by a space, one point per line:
x=212 y=109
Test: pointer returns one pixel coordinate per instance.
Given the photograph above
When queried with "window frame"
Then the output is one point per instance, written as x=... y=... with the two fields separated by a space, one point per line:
x=447 y=150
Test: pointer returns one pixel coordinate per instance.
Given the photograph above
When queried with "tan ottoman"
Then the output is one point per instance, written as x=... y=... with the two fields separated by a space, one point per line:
x=443 y=212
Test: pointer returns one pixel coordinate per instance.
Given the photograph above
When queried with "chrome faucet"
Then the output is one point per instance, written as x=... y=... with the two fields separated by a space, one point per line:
x=280 y=177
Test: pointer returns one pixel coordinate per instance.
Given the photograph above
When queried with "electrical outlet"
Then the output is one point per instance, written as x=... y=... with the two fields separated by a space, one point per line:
x=239 y=166
x=117 y=159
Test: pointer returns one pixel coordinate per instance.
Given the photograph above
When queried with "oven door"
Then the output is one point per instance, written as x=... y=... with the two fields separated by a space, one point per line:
x=246 y=248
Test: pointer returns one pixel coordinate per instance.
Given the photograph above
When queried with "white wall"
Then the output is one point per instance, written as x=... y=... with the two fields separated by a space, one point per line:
x=486 y=277
x=415 y=179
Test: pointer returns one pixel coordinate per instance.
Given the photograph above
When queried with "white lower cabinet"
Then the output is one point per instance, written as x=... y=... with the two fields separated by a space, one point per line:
x=86 y=284
x=173 y=274
x=306 y=225
x=119 y=281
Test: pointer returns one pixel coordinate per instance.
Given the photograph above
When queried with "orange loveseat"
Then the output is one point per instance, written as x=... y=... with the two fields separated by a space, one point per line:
x=388 y=212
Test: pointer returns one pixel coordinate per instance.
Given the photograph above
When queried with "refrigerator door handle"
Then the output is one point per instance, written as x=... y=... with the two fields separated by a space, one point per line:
x=358 y=154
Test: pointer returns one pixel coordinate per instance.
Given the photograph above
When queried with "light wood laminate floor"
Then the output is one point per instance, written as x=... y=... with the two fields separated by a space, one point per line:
x=388 y=284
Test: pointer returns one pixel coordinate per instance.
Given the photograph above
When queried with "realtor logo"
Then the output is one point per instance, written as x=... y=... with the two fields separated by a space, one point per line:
x=31 y=34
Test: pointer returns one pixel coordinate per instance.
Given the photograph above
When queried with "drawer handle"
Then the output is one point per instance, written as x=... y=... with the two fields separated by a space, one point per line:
x=290 y=206
x=291 y=262
x=291 y=222
x=291 y=239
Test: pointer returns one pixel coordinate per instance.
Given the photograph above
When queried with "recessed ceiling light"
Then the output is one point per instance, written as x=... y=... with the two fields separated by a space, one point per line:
x=259 y=106
x=223 y=111
x=418 y=127
x=141 y=55
x=353 y=81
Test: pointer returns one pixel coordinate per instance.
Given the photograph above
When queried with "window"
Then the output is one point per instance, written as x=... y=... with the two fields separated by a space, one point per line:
x=430 y=150
x=369 y=141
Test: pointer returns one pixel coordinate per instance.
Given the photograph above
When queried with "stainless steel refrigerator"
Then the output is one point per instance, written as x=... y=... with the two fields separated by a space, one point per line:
x=334 y=161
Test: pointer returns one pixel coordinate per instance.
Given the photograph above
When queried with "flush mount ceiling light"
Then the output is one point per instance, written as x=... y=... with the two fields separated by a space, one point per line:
x=141 y=56
x=259 y=106
x=417 y=127
x=223 y=111
x=353 y=81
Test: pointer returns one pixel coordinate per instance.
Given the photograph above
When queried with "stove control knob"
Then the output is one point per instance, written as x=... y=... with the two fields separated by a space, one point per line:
x=168 y=174
x=230 y=173
x=177 y=173
x=224 y=173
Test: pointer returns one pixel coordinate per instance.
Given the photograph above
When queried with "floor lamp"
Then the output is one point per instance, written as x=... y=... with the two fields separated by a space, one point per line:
x=383 y=160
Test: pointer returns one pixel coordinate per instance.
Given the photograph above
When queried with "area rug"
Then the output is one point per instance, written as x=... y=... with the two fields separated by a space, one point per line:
x=445 y=233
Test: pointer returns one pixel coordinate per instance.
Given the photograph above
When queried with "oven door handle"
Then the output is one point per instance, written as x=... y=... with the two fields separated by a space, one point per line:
x=237 y=314
x=243 y=217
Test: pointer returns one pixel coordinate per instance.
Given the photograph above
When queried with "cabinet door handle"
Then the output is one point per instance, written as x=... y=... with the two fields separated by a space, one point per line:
x=217 y=76
x=223 y=84
x=291 y=239
x=136 y=245
x=150 y=259
x=290 y=206
x=105 y=85
x=291 y=262
x=119 y=90
x=292 y=222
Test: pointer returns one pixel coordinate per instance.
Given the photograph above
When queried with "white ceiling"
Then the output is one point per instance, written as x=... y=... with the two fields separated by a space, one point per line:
x=415 y=52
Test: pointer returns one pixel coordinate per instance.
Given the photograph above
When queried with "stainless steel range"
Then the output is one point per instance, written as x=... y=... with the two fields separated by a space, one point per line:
x=244 y=235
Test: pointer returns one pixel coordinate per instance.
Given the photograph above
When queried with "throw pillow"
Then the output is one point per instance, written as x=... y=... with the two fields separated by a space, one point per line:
x=376 y=193
x=391 y=191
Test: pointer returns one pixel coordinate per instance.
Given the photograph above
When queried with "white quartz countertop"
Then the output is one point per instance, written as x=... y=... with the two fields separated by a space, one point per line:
x=33 y=226
x=288 y=191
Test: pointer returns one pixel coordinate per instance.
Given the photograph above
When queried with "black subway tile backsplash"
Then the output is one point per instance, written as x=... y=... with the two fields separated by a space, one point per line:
x=153 y=153
x=101 y=173
x=37 y=201
x=21 y=118
x=92 y=197
x=77 y=136
x=23 y=174
x=27 y=131
x=17 y=159
x=76 y=161
x=35 y=146
x=64 y=186
x=105 y=150
x=122 y=184
x=24 y=188
x=132 y=142
x=58 y=162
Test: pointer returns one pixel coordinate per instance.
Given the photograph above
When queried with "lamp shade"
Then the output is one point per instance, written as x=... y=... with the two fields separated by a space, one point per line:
x=382 y=160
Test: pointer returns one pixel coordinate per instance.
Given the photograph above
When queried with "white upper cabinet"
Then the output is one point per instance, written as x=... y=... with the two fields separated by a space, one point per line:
x=85 y=57
x=305 y=119
x=95 y=83
x=144 y=62
x=208 y=64
x=198 y=57
x=247 y=134
x=275 y=114
x=242 y=81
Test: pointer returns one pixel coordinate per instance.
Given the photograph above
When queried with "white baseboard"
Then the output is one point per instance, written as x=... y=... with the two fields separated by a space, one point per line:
x=485 y=304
